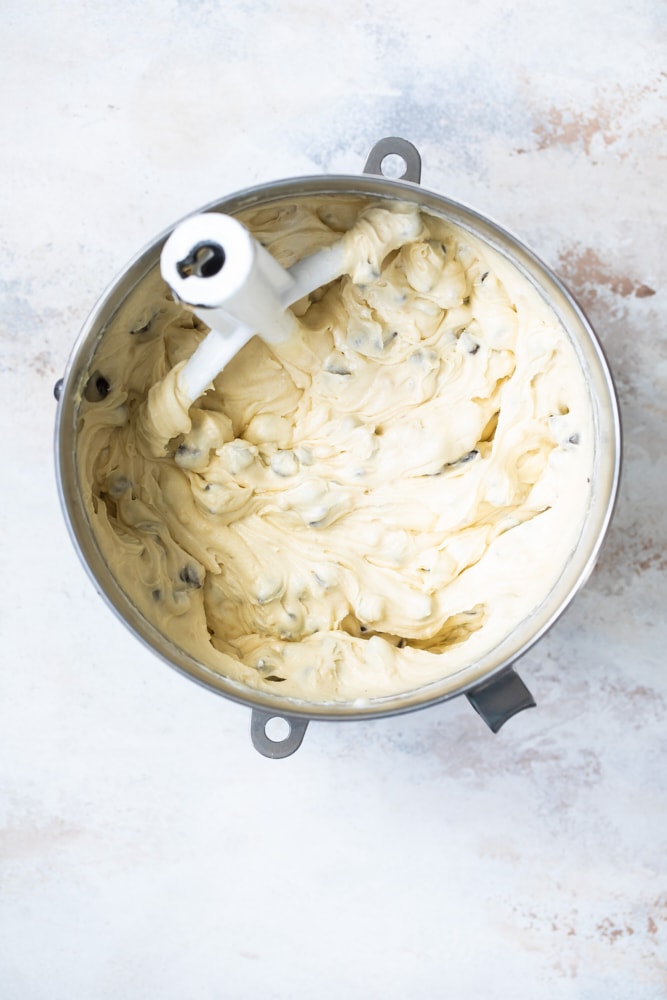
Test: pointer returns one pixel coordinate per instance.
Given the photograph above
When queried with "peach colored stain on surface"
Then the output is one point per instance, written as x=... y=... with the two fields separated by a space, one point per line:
x=584 y=271
x=652 y=560
x=550 y=768
x=567 y=128
x=42 y=363
x=629 y=553
x=611 y=932
x=623 y=934
x=606 y=119
x=640 y=695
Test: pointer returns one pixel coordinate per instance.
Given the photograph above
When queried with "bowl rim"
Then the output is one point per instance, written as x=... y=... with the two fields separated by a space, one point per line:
x=482 y=227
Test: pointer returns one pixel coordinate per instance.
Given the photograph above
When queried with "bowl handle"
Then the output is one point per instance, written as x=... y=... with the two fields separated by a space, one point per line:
x=499 y=698
x=276 y=748
x=393 y=146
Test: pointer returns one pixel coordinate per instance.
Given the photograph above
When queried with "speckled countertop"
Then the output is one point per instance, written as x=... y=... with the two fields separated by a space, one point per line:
x=146 y=850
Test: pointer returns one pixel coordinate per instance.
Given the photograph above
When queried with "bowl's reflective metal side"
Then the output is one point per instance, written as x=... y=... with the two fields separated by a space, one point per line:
x=606 y=472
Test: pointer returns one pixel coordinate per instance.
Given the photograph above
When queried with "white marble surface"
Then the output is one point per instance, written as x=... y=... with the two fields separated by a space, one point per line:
x=146 y=850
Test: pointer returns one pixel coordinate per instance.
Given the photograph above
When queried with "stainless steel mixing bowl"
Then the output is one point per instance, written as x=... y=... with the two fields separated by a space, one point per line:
x=490 y=683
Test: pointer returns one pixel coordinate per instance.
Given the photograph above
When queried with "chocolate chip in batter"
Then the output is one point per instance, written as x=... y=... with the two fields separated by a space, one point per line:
x=119 y=485
x=97 y=388
x=190 y=576
x=336 y=365
x=187 y=451
x=110 y=504
x=139 y=330
x=468 y=457
x=573 y=439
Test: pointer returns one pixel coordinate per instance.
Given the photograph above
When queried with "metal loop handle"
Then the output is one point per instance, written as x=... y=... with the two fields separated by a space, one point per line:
x=269 y=747
x=394 y=146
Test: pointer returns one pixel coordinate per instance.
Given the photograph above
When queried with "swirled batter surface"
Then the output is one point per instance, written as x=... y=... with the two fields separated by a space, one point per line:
x=364 y=509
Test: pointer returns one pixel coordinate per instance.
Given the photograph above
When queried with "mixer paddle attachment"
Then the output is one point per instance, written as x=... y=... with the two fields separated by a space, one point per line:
x=231 y=282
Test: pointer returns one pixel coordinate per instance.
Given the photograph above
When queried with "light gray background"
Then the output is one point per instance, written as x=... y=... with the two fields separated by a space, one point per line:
x=146 y=850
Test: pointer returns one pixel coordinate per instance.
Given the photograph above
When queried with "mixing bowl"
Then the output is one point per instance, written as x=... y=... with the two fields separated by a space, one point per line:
x=490 y=683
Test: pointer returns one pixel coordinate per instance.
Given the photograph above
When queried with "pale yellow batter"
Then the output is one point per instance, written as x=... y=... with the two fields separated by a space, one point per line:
x=364 y=509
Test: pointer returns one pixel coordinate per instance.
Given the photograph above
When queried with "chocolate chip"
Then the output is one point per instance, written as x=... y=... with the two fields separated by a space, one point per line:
x=156 y=594
x=137 y=331
x=186 y=449
x=484 y=276
x=468 y=457
x=97 y=388
x=119 y=485
x=190 y=576
x=573 y=439
x=337 y=368
x=274 y=677
x=474 y=347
